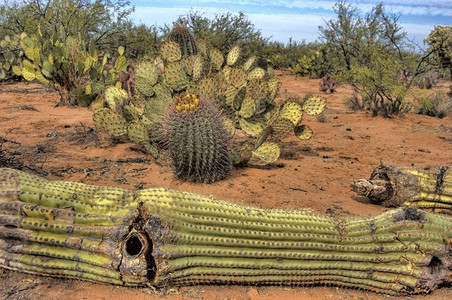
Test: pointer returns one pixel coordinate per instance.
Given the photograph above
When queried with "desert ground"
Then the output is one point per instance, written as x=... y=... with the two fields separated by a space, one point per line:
x=62 y=143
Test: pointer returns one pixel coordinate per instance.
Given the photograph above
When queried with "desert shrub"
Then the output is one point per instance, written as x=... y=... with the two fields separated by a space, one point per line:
x=357 y=102
x=285 y=56
x=428 y=80
x=437 y=104
x=312 y=64
x=367 y=53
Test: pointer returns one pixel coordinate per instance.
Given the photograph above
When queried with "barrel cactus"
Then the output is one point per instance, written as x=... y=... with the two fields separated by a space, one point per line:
x=182 y=36
x=197 y=140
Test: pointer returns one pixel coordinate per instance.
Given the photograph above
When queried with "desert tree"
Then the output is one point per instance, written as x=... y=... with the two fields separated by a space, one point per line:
x=99 y=20
x=439 y=49
x=370 y=52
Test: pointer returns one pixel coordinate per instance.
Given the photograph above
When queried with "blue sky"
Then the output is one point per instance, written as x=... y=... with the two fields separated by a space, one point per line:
x=299 y=19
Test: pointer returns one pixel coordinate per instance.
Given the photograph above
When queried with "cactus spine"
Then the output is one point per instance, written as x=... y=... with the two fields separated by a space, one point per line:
x=164 y=237
x=197 y=140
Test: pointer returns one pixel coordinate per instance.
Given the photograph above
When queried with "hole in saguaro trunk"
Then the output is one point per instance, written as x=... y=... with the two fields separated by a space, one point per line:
x=138 y=255
x=436 y=267
x=135 y=245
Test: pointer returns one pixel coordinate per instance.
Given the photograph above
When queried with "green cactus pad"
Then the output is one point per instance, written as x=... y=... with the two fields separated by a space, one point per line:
x=233 y=55
x=131 y=112
x=175 y=76
x=163 y=93
x=314 y=105
x=188 y=63
x=46 y=68
x=41 y=78
x=258 y=90
x=155 y=109
x=16 y=70
x=291 y=111
x=236 y=77
x=146 y=76
x=137 y=132
x=207 y=88
x=273 y=85
x=230 y=93
x=217 y=58
x=115 y=98
x=256 y=73
x=229 y=126
x=252 y=126
x=28 y=74
x=303 y=132
x=249 y=63
x=282 y=128
x=147 y=71
x=110 y=122
x=144 y=87
x=170 y=51
x=198 y=67
x=248 y=107
x=266 y=154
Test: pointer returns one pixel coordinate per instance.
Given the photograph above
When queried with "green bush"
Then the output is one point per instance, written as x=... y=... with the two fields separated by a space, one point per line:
x=437 y=104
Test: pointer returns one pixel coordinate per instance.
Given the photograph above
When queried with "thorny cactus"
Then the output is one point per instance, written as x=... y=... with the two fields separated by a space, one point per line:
x=11 y=55
x=68 y=64
x=182 y=35
x=160 y=237
x=197 y=140
x=426 y=188
x=327 y=84
x=244 y=94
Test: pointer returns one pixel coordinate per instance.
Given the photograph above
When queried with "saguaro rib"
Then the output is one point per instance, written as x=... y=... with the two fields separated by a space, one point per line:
x=164 y=237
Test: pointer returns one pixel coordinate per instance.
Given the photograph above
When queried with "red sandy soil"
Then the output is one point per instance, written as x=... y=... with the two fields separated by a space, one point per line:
x=61 y=143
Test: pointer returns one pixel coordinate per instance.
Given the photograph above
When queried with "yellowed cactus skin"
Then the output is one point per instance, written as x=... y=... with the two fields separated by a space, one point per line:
x=161 y=237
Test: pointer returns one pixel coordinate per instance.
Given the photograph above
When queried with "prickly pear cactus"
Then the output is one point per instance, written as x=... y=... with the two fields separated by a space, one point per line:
x=196 y=139
x=70 y=65
x=11 y=56
x=245 y=94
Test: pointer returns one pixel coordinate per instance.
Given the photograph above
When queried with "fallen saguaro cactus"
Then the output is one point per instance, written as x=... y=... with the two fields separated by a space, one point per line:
x=163 y=237
x=427 y=188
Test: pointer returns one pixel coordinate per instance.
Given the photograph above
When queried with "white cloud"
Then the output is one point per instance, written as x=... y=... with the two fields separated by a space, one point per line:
x=298 y=24
x=283 y=27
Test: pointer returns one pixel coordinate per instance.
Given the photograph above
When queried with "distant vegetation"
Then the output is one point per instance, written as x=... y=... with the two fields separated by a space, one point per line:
x=370 y=51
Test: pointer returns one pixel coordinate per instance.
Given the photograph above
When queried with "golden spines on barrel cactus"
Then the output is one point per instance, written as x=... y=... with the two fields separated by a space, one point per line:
x=197 y=140
x=164 y=237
